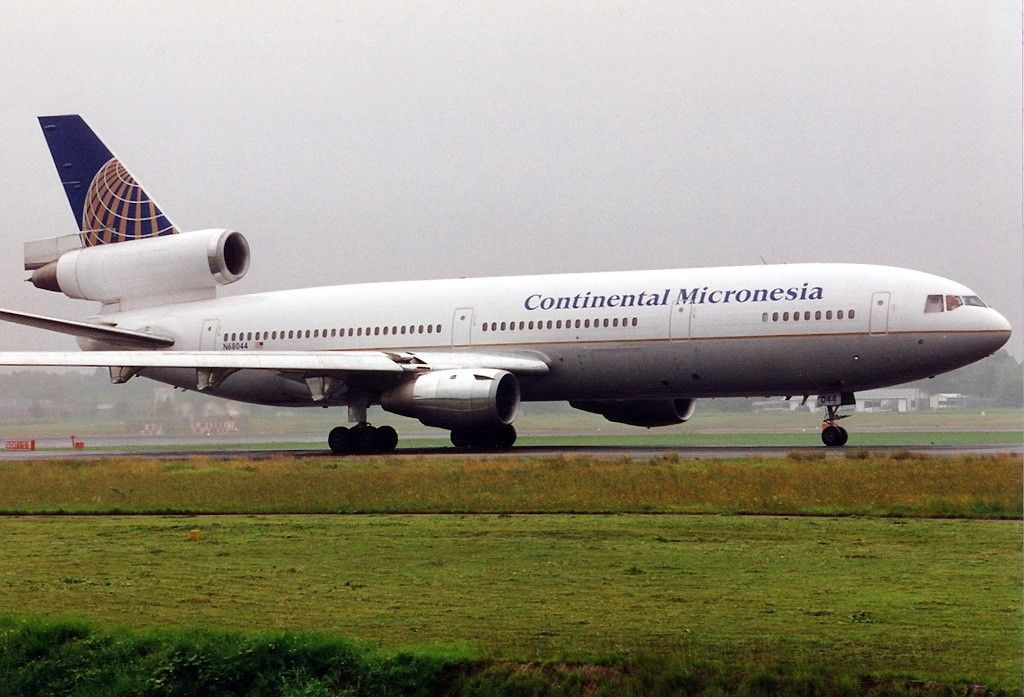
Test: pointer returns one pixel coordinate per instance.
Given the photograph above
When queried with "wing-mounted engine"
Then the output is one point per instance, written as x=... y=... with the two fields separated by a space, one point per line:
x=136 y=273
x=457 y=398
x=648 y=413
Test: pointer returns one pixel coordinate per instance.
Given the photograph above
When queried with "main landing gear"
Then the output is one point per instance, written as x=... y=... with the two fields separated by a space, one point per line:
x=362 y=439
x=500 y=437
x=832 y=434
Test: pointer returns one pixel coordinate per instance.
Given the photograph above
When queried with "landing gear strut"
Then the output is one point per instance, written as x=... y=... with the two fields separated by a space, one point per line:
x=500 y=437
x=832 y=434
x=362 y=439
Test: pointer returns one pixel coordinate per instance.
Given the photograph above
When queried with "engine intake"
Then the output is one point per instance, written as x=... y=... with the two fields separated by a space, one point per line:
x=454 y=398
x=191 y=263
x=648 y=413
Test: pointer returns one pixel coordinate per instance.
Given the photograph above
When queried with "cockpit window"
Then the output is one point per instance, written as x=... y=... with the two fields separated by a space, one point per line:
x=974 y=301
x=953 y=302
x=933 y=304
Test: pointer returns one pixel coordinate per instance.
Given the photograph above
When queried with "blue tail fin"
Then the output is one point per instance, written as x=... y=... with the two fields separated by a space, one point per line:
x=109 y=205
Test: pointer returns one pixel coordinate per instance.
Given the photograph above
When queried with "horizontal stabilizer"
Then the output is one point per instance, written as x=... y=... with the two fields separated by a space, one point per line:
x=87 y=330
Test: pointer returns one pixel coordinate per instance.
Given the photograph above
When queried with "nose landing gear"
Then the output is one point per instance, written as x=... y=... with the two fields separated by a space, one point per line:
x=832 y=434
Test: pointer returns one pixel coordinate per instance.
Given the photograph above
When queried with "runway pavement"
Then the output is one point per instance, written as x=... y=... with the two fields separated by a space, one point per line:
x=250 y=448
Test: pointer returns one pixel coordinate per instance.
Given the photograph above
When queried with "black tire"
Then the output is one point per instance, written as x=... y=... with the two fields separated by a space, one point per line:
x=832 y=436
x=461 y=438
x=364 y=439
x=504 y=437
x=843 y=436
x=386 y=439
x=339 y=440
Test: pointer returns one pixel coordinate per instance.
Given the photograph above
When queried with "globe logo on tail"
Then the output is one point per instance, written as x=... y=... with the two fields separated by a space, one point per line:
x=117 y=209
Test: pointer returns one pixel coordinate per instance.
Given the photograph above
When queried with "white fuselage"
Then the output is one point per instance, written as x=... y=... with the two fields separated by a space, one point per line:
x=798 y=329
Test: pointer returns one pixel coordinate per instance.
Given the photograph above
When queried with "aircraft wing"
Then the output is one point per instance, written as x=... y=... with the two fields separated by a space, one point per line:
x=305 y=363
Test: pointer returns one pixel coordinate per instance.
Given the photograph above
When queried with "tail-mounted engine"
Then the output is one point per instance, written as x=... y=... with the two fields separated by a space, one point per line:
x=186 y=266
x=641 y=412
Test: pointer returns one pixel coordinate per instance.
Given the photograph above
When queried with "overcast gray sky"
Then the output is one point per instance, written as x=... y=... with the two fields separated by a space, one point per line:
x=376 y=141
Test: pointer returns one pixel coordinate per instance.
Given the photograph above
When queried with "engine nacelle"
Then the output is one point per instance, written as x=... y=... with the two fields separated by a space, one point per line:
x=454 y=398
x=190 y=263
x=641 y=412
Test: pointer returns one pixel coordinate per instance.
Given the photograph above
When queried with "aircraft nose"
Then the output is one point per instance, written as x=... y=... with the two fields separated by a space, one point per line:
x=999 y=331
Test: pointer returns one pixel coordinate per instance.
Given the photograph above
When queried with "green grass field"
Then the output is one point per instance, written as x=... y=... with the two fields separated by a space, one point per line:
x=926 y=598
x=892 y=565
x=859 y=483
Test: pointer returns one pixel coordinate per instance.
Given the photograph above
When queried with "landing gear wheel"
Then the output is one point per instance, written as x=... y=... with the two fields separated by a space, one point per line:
x=833 y=436
x=505 y=437
x=362 y=440
x=339 y=441
x=461 y=438
x=500 y=437
x=843 y=436
x=387 y=439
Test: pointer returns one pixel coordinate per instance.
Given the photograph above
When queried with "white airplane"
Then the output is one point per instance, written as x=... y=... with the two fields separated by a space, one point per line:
x=638 y=347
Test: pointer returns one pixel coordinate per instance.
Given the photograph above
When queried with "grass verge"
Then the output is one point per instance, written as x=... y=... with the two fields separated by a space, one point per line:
x=860 y=483
x=74 y=658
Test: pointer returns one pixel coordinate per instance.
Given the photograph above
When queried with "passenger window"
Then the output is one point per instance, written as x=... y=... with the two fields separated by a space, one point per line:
x=785 y=316
x=828 y=314
x=635 y=321
x=796 y=316
x=851 y=314
x=502 y=326
x=420 y=329
x=615 y=321
x=953 y=302
x=839 y=314
x=586 y=324
x=359 y=331
x=350 y=330
x=807 y=315
x=291 y=333
x=316 y=333
x=439 y=329
x=817 y=315
x=430 y=328
x=386 y=331
x=577 y=324
x=549 y=324
x=775 y=317
x=764 y=316
x=334 y=331
x=530 y=325
x=558 y=324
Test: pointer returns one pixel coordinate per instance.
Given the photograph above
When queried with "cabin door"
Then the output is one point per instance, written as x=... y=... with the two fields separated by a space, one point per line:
x=208 y=339
x=679 y=322
x=462 y=326
x=879 y=323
